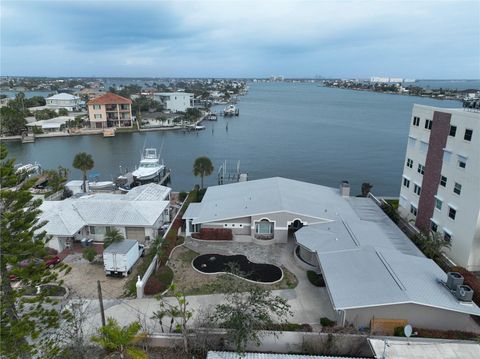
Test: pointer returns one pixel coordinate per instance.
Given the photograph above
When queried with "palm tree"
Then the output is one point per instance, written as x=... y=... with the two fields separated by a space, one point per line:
x=122 y=340
x=83 y=162
x=112 y=235
x=202 y=167
x=432 y=244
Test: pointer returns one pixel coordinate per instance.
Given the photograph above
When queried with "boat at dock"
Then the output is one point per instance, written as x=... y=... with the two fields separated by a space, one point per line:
x=150 y=167
x=231 y=110
x=211 y=117
x=197 y=127
x=101 y=186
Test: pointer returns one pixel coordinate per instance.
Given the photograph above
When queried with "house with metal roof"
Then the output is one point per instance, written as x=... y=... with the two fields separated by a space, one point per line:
x=370 y=267
x=137 y=215
x=63 y=100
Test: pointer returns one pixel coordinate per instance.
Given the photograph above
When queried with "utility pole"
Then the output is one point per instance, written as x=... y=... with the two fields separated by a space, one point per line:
x=100 y=300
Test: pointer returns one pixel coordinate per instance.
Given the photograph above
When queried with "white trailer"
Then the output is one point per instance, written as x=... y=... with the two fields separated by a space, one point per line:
x=119 y=257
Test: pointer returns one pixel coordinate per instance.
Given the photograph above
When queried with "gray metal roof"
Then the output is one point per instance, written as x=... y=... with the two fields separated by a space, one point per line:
x=121 y=247
x=369 y=276
x=403 y=348
x=233 y=355
x=148 y=192
x=193 y=211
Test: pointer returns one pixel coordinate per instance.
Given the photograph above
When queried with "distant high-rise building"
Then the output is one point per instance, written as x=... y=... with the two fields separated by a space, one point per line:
x=440 y=189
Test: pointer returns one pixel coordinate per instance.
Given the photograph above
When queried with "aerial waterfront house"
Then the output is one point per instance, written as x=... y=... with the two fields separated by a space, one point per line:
x=55 y=124
x=174 y=101
x=110 y=110
x=63 y=100
x=139 y=215
x=440 y=188
x=370 y=267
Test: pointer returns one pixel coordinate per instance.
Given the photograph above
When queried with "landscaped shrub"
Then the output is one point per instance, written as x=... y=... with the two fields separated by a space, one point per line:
x=399 y=332
x=290 y=327
x=159 y=281
x=325 y=322
x=215 y=234
x=315 y=279
x=182 y=196
x=471 y=280
x=444 y=334
x=89 y=254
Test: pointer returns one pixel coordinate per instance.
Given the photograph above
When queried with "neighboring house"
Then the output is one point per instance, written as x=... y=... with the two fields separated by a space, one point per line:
x=56 y=124
x=63 y=100
x=174 y=101
x=4 y=101
x=138 y=215
x=371 y=269
x=440 y=189
x=110 y=110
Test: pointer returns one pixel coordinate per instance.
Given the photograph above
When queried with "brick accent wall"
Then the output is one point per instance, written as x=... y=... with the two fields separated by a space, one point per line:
x=433 y=168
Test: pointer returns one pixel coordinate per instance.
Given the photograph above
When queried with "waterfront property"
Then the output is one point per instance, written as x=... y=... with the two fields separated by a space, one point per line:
x=110 y=110
x=440 y=187
x=174 y=101
x=64 y=100
x=139 y=215
x=370 y=267
x=55 y=124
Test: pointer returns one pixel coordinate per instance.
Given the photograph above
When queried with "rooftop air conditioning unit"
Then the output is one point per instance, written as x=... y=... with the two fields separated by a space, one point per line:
x=464 y=293
x=454 y=279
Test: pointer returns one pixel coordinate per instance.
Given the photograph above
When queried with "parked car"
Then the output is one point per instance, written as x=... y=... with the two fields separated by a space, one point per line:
x=49 y=261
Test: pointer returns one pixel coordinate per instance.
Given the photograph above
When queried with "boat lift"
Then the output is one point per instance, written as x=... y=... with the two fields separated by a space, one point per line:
x=224 y=177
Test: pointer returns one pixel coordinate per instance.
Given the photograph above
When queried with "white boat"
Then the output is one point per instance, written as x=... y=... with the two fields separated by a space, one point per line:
x=197 y=127
x=29 y=170
x=230 y=110
x=149 y=167
x=101 y=185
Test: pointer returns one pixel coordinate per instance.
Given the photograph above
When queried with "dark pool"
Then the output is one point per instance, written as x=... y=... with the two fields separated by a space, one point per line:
x=258 y=272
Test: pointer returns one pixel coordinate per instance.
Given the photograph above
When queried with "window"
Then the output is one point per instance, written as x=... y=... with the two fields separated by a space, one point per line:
x=453 y=131
x=264 y=227
x=428 y=124
x=91 y=229
x=417 y=189
x=421 y=169
x=452 y=212
x=433 y=226
x=443 y=181
x=413 y=210
x=447 y=155
x=438 y=204
x=462 y=164
x=416 y=120
x=96 y=107
x=423 y=147
x=468 y=135
x=406 y=182
x=409 y=163
x=411 y=142
x=457 y=188
x=97 y=116
x=447 y=236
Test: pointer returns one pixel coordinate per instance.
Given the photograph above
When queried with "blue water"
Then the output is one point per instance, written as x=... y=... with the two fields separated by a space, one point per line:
x=301 y=131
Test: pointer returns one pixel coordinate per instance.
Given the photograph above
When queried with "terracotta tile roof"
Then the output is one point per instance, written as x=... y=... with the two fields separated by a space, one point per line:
x=109 y=99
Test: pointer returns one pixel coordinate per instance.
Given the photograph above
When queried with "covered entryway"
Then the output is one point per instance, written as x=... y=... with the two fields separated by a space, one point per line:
x=295 y=226
x=137 y=233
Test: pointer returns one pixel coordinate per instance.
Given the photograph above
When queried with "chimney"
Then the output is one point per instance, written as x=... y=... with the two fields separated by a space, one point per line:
x=345 y=189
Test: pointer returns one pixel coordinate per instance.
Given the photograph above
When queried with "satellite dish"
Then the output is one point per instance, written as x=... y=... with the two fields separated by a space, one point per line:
x=408 y=330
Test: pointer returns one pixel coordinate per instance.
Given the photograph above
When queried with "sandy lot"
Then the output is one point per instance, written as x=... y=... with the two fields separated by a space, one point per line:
x=82 y=279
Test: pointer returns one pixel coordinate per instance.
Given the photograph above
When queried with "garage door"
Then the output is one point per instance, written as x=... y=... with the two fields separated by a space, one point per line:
x=137 y=233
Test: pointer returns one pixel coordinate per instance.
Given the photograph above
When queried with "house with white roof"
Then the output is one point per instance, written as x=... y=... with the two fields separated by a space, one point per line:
x=55 y=124
x=370 y=267
x=138 y=215
x=63 y=100
x=174 y=101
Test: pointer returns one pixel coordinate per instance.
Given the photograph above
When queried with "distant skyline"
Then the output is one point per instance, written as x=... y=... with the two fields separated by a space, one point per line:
x=301 y=39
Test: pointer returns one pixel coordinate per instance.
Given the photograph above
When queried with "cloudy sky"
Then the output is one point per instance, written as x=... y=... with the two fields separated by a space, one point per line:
x=419 y=39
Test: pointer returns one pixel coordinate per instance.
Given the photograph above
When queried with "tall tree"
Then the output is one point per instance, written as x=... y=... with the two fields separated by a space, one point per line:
x=121 y=340
x=112 y=235
x=84 y=162
x=26 y=322
x=12 y=121
x=202 y=167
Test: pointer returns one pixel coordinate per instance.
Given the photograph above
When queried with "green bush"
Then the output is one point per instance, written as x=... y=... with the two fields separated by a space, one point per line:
x=89 y=254
x=399 y=332
x=182 y=195
x=315 y=279
x=325 y=322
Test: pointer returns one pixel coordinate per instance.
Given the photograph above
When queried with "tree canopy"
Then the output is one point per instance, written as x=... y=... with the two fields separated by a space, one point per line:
x=83 y=162
x=12 y=121
x=112 y=235
x=202 y=167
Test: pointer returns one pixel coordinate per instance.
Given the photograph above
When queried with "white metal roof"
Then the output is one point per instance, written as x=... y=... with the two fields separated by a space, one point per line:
x=368 y=277
x=403 y=348
x=193 y=210
x=148 y=192
x=52 y=122
x=63 y=96
x=233 y=355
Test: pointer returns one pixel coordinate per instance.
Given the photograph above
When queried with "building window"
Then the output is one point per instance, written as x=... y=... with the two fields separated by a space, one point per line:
x=417 y=189
x=97 y=116
x=452 y=212
x=416 y=120
x=96 y=107
x=406 y=182
x=468 y=135
x=409 y=163
x=264 y=227
x=438 y=204
x=433 y=226
x=413 y=210
x=462 y=164
x=453 y=131
x=421 y=169
x=428 y=124
x=447 y=236
x=91 y=229
x=457 y=188
x=443 y=181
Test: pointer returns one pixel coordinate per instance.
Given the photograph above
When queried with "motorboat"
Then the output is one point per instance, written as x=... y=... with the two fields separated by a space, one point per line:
x=211 y=117
x=197 y=127
x=230 y=110
x=101 y=185
x=150 y=167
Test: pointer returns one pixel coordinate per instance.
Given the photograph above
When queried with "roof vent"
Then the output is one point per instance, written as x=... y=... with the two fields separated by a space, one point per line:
x=345 y=189
x=454 y=279
x=464 y=293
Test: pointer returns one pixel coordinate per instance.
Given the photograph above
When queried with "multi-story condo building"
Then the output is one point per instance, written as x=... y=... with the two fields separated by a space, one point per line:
x=110 y=110
x=440 y=189
x=174 y=101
